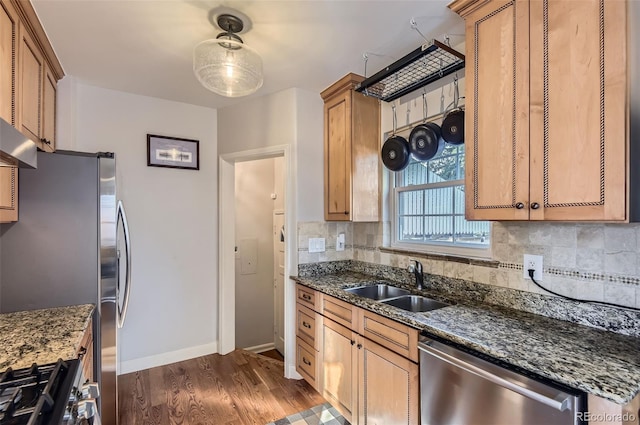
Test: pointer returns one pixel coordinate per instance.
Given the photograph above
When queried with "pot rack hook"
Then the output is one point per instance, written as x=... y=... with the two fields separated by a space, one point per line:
x=414 y=25
x=424 y=106
x=393 y=108
x=365 y=58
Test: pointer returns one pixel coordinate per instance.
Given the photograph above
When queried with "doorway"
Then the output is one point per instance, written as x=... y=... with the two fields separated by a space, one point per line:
x=226 y=257
x=259 y=255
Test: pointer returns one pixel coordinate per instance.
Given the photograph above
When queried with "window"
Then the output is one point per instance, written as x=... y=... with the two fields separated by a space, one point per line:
x=428 y=204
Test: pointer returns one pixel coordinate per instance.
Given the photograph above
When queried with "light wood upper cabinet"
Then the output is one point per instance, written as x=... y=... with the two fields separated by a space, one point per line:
x=30 y=77
x=29 y=72
x=546 y=109
x=351 y=150
x=49 y=93
x=8 y=194
x=9 y=35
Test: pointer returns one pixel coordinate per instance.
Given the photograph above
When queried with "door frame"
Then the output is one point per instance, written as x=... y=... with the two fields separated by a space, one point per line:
x=274 y=213
x=226 y=252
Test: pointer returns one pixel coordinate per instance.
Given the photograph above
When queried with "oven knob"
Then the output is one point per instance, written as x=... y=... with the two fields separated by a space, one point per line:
x=87 y=408
x=90 y=390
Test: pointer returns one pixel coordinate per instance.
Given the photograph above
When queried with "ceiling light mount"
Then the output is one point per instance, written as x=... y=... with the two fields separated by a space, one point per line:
x=225 y=65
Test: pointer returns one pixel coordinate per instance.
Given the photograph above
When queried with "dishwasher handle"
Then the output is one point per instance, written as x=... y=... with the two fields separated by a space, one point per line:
x=560 y=401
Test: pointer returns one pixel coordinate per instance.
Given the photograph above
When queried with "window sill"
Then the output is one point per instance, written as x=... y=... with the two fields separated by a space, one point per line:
x=442 y=257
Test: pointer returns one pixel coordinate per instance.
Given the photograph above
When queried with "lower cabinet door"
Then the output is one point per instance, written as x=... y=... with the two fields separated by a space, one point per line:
x=339 y=369
x=389 y=387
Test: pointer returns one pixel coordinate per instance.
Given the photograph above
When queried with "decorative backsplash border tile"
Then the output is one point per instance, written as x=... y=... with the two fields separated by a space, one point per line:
x=577 y=274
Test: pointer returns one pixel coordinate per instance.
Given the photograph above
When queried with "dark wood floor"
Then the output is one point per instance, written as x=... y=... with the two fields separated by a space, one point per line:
x=274 y=354
x=236 y=389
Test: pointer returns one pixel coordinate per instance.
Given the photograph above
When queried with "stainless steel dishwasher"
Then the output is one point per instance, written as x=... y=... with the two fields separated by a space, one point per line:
x=459 y=388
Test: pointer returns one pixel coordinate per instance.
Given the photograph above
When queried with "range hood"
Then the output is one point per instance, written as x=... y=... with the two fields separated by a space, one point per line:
x=15 y=148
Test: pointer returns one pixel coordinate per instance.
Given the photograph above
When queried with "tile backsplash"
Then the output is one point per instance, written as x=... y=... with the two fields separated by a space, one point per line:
x=599 y=262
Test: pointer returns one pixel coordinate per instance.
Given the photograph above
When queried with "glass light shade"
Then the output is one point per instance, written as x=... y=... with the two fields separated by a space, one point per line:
x=227 y=67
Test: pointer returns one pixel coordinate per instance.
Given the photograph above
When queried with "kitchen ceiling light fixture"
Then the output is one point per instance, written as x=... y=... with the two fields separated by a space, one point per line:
x=225 y=65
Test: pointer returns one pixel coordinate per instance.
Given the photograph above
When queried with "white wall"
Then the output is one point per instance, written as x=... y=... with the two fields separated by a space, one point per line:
x=254 y=207
x=172 y=217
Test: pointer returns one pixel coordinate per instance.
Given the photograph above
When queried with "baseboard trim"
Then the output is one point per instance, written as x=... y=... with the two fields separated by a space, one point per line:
x=261 y=348
x=143 y=363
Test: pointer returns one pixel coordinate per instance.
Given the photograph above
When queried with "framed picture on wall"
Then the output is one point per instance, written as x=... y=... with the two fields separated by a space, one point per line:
x=172 y=152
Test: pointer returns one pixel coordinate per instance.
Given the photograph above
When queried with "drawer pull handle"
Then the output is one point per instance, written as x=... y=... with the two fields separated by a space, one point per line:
x=305 y=361
x=306 y=297
x=306 y=325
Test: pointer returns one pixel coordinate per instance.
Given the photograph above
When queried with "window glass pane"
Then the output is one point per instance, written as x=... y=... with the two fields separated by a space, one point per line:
x=472 y=232
x=435 y=214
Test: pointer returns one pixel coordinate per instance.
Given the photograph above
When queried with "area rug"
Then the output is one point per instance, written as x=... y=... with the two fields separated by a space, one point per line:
x=323 y=414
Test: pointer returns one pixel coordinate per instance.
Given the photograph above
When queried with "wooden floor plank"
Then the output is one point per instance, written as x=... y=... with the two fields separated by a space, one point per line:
x=240 y=388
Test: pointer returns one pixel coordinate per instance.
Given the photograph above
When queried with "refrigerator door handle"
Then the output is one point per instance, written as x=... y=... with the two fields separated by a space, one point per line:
x=122 y=310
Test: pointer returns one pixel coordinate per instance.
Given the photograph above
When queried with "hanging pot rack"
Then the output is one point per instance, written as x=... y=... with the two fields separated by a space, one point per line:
x=426 y=64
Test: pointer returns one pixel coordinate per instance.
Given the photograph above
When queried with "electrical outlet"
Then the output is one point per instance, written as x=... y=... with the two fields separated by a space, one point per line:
x=532 y=262
x=340 y=242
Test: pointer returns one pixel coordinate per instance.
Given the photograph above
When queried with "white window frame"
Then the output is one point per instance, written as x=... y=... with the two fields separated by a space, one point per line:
x=445 y=248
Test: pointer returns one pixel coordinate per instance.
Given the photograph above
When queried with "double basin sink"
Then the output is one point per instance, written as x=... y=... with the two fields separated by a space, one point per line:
x=397 y=297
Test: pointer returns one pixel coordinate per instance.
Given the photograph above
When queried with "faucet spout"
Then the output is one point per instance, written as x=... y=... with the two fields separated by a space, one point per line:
x=417 y=272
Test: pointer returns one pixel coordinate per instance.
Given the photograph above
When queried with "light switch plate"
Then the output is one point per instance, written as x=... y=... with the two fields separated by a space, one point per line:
x=340 y=242
x=316 y=245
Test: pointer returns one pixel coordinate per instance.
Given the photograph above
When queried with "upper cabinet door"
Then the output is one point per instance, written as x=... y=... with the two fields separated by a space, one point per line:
x=30 y=78
x=337 y=113
x=497 y=111
x=49 y=92
x=9 y=30
x=578 y=109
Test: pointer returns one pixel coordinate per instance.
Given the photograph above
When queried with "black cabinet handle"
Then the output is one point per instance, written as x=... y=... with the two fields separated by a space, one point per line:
x=305 y=361
x=535 y=206
x=519 y=205
x=352 y=342
x=346 y=213
x=359 y=346
x=306 y=325
x=82 y=351
x=306 y=297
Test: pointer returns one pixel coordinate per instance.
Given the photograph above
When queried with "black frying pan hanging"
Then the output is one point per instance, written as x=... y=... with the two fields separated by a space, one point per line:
x=453 y=127
x=395 y=153
x=453 y=123
x=424 y=140
x=395 y=150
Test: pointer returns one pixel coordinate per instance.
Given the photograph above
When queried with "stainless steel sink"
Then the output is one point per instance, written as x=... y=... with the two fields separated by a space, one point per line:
x=415 y=303
x=378 y=292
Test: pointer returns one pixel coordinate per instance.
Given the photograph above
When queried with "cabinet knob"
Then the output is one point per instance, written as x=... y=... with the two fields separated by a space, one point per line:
x=81 y=352
x=346 y=213
x=352 y=342
x=519 y=205
x=535 y=206
x=359 y=346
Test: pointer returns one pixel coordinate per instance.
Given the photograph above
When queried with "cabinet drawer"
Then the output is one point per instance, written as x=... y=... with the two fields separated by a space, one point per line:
x=306 y=362
x=306 y=296
x=85 y=352
x=339 y=311
x=395 y=336
x=307 y=328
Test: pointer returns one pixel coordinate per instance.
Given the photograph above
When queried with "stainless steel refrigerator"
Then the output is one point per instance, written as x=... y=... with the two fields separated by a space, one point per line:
x=71 y=246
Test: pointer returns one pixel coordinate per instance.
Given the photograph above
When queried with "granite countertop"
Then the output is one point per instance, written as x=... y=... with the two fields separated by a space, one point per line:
x=598 y=362
x=42 y=336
